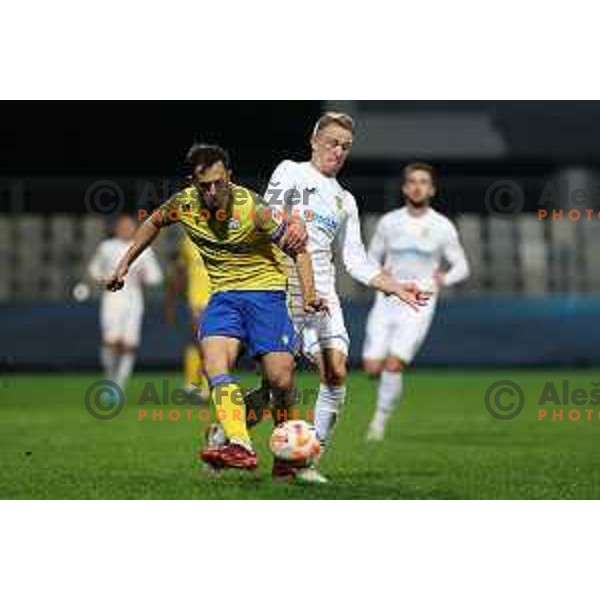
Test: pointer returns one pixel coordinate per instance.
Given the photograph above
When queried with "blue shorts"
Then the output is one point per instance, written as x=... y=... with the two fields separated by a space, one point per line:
x=259 y=319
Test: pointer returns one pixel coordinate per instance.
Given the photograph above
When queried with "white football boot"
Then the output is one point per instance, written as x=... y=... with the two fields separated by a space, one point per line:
x=376 y=431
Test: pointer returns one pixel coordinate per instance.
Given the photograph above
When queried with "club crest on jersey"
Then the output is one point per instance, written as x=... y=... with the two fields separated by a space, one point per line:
x=339 y=202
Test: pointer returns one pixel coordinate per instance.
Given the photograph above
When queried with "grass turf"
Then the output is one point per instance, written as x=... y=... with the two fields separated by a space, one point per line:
x=441 y=443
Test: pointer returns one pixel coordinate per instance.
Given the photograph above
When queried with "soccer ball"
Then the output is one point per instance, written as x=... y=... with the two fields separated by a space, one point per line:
x=295 y=441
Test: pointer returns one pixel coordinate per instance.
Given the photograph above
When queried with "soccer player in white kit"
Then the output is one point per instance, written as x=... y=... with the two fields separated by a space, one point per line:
x=121 y=314
x=310 y=190
x=409 y=243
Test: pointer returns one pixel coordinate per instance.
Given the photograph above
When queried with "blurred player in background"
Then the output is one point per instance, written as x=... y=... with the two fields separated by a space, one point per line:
x=410 y=244
x=311 y=190
x=121 y=314
x=241 y=245
x=190 y=273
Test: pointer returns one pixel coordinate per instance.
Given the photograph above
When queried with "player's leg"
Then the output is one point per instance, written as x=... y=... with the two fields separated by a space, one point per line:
x=378 y=335
x=126 y=361
x=332 y=391
x=388 y=396
x=130 y=320
x=110 y=331
x=221 y=335
x=272 y=339
x=108 y=358
x=278 y=369
x=219 y=354
x=330 y=343
x=193 y=370
x=407 y=331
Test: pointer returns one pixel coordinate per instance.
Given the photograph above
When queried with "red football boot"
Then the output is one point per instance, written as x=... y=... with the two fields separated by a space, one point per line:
x=231 y=456
x=283 y=471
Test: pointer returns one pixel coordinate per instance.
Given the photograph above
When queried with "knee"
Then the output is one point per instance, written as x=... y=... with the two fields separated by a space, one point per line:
x=336 y=374
x=281 y=379
x=213 y=365
x=393 y=364
x=372 y=367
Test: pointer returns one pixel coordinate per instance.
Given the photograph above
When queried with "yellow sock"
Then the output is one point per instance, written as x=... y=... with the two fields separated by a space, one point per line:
x=230 y=409
x=193 y=367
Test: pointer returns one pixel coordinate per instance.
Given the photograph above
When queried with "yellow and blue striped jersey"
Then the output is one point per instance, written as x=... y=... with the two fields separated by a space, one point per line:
x=236 y=243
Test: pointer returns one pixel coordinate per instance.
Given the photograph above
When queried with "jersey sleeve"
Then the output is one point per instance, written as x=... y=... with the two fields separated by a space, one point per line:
x=282 y=194
x=456 y=257
x=267 y=219
x=354 y=255
x=376 y=251
x=169 y=211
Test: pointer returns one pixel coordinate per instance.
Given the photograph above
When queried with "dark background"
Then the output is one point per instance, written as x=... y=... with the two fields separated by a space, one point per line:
x=129 y=140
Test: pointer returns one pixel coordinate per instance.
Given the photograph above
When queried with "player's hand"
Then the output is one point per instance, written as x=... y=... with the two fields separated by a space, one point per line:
x=295 y=237
x=411 y=295
x=117 y=280
x=318 y=305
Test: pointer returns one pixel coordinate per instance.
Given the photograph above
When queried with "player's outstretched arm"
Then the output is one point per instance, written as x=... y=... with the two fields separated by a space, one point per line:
x=143 y=237
x=312 y=303
x=406 y=291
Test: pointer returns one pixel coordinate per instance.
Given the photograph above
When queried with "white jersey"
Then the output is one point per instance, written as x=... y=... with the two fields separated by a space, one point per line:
x=411 y=248
x=144 y=271
x=331 y=216
x=121 y=312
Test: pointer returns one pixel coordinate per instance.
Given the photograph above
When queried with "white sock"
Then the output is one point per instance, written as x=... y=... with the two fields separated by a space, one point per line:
x=124 y=368
x=329 y=403
x=108 y=360
x=388 y=396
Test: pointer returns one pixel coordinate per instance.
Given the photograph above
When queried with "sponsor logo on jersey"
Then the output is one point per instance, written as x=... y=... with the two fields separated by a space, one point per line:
x=325 y=221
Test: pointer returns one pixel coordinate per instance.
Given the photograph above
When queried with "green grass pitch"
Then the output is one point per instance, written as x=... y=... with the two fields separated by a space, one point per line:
x=441 y=443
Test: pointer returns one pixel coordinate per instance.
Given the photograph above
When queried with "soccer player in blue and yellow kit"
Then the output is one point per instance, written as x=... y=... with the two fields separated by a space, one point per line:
x=241 y=245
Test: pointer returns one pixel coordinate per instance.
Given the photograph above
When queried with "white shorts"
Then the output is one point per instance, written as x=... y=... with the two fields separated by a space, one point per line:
x=121 y=319
x=396 y=330
x=323 y=331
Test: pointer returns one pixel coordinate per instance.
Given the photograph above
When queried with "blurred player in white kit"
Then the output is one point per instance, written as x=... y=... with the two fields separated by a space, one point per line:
x=121 y=314
x=311 y=191
x=409 y=243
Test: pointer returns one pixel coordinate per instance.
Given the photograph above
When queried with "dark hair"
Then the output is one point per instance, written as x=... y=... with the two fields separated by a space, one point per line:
x=206 y=155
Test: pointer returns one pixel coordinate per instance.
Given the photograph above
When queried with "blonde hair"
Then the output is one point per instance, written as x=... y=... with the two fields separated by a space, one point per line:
x=339 y=118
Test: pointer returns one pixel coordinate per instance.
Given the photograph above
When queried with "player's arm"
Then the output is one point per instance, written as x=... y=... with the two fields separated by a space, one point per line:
x=279 y=233
x=454 y=253
x=279 y=199
x=142 y=239
x=288 y=233
x=312 y=303
x=365 y=270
